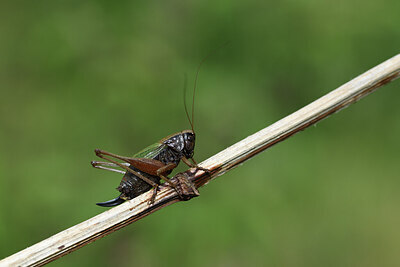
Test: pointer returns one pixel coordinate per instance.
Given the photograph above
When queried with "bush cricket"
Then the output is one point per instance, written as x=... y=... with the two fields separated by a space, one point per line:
x=145 y=169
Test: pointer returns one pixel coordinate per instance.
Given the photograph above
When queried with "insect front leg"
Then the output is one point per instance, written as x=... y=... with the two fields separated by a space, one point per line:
x=194 y=165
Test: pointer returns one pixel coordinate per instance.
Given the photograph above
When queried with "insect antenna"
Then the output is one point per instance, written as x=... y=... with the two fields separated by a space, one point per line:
x=195 y=84
x=184 y=101
x=194 y=92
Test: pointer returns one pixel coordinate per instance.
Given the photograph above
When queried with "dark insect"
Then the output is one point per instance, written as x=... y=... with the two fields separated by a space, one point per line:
x=145 y=169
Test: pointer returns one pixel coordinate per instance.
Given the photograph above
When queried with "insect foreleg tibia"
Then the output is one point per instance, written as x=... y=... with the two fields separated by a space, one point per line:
x=101 y=153
x=101 y=164
x=194 y=165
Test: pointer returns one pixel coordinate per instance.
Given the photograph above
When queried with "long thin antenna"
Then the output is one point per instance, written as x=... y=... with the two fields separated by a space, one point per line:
x=195 y=80
x=195 y=84
x=184 y=100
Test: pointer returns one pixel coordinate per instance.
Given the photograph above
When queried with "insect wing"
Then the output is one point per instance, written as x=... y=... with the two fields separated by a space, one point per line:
x=150 y=151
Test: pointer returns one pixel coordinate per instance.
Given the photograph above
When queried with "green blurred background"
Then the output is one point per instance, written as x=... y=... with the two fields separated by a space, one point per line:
x=80 y=75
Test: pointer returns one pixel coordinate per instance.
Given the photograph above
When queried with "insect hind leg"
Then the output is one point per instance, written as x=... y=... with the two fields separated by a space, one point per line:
x=101 y=154
x=101 y=165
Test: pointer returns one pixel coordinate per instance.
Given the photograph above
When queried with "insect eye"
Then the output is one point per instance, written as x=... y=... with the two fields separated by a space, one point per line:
x=189 y=144
x=188 y=138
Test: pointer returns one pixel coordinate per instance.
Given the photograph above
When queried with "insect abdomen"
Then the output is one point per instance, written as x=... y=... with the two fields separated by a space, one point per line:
x=132 y=186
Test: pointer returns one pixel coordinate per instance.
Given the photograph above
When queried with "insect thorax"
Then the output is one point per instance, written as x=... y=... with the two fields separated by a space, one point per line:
x=168 y=155
x=182 y=143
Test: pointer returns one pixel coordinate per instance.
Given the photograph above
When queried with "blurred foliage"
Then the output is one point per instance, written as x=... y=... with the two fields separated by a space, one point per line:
x=80 y=75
